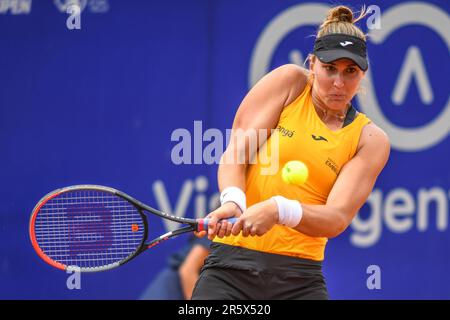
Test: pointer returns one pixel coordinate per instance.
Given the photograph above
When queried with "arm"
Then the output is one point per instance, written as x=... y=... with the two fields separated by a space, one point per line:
x=190 y=269
x=259 y=110
x=350 y=191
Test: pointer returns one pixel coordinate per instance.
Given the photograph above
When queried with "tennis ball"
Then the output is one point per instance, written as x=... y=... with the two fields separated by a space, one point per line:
x=294 y=172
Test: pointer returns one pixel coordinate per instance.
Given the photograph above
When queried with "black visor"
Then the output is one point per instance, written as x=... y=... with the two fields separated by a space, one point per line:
x=337 y=46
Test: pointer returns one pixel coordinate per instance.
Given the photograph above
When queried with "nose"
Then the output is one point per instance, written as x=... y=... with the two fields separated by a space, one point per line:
x=338 y=81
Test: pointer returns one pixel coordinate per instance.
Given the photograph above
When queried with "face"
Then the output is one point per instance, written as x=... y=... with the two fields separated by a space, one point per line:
x=335 y=83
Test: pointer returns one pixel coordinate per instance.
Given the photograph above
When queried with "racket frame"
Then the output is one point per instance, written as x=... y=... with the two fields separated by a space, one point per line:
x=193 y=225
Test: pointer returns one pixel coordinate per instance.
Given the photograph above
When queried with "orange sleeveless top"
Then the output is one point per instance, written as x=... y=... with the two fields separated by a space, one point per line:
x=300 y=135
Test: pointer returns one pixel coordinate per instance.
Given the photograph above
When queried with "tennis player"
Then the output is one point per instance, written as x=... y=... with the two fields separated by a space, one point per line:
x=276 y=248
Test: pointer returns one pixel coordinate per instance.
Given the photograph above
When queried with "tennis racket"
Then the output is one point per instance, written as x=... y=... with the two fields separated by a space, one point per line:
x=91 y=228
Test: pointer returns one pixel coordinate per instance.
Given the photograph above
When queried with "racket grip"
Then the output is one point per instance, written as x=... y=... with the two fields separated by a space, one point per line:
x=203 y=223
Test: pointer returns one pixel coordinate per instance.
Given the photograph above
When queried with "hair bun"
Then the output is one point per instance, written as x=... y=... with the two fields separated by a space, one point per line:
x=340 y=14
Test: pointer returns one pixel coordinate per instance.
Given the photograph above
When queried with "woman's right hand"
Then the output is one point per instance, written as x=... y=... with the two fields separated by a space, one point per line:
x=222 y=228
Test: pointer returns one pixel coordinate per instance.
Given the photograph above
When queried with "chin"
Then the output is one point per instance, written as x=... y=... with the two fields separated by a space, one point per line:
x=336 y=105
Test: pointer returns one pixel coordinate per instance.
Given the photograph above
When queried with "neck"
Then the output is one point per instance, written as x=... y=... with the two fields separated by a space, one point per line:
x=325 y=112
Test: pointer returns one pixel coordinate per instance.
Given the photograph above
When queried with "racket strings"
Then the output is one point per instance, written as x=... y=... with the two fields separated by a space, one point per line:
x=89 y=229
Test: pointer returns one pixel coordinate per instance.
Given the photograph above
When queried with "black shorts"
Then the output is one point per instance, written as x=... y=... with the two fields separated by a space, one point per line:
x=235 y=273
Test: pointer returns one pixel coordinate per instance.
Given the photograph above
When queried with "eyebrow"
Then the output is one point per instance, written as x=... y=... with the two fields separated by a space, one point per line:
x=349 y=65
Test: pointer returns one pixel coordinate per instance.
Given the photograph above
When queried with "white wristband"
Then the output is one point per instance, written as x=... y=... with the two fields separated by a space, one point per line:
x=234 y=194
x=290 y=212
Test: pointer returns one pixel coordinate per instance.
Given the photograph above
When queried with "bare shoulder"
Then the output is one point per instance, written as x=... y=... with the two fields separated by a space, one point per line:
x=292 y=72
x=373 y=138
x=292 y=77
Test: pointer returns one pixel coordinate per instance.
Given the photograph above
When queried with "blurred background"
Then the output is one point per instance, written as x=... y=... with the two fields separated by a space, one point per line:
x=96 y=100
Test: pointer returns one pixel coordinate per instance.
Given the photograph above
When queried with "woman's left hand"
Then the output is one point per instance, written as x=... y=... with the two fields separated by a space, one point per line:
x=257 y=219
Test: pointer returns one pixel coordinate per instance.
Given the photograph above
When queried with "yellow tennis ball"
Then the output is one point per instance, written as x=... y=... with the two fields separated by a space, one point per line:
x=294 y=172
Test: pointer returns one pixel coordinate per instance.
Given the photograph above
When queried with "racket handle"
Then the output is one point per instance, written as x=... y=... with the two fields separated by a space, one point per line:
x=203 y=223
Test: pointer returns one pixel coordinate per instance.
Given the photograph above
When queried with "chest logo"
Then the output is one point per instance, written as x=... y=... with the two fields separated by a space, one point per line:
x=318 y=138
x=285 y=131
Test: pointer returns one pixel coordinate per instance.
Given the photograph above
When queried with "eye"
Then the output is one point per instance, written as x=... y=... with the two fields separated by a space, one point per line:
x=351 y=70
x=329 y=68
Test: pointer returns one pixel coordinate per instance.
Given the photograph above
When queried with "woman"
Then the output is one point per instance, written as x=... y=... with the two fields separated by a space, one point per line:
x=276 y=248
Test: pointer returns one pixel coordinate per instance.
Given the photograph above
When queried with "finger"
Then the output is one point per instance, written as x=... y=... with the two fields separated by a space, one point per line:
x=237 y=227
x=214 y=219
x=212 y=225
x=246 y=229
x=253 y=231
x=213 y=233
x=200 y=234
x=229 y=228
x=223 y=229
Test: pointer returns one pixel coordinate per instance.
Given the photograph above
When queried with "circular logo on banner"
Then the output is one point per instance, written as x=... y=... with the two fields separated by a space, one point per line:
x=402 y=138
x=62 y=5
